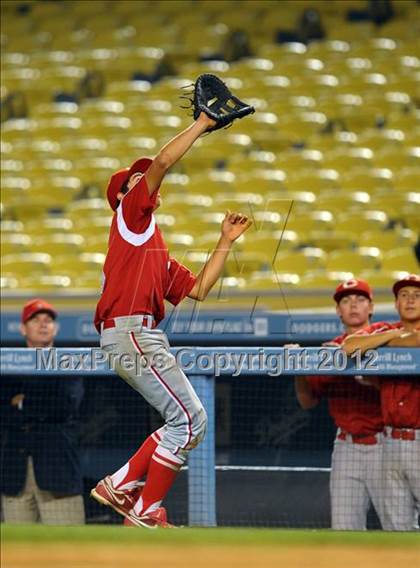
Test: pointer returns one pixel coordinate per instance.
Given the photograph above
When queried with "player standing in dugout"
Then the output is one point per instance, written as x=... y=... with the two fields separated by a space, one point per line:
x=354 y=405
x=400 y=401
x=139 y=276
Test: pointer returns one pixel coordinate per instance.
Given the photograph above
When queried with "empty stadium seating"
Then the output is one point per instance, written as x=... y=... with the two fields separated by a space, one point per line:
x=330 y=162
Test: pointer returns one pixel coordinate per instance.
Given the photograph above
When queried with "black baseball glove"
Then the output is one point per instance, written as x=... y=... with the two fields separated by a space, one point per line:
x=213 y=97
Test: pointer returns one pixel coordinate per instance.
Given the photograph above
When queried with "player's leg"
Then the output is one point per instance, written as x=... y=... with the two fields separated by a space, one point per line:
x=349 y=496
x=411 y=451
x=168 y=390
x=22 y=508
x=399 y=503
x=375 y=478
x=128 y=476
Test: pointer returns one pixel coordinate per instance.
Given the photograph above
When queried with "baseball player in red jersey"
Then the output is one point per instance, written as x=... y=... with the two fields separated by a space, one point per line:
x=400 y=399
x=355 y=408
x=139 y=276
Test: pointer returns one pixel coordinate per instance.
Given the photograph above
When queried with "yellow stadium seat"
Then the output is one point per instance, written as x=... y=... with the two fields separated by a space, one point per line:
x=8 y=283
x=394 y=158
x=402 y=259
x=96 y=244
x=59 y=244
x=314 y=181
x=407 y=179
x=362 y=220
x=271 y=281
x=26 y=263
x=324 y=280
x=300 y=262
x=343 y=200
x=369 y=180
x=354 y=261
x=395 y=203
x=388 y=239
x=80 y=265
x=380 y=279
x=343 y=161
x=330 y=240
x=46 y=282
x=240 y=264
x=268 y=241
x=411 y=219
x=15 y=243
x=11 y=227
x=302 y=223
x=48 y=226
x=88 y=208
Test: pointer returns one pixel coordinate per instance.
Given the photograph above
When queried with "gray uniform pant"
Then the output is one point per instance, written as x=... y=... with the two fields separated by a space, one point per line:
x=142 y=358
x=33 y=505
x=355 y=482
x=401 y=466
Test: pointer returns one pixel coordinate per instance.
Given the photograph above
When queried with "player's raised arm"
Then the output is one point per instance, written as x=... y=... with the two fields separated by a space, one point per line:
x=234 y=224
x=174 y=150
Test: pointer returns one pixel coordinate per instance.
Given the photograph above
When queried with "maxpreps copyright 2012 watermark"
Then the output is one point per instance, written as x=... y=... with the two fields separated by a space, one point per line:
x=211 y=362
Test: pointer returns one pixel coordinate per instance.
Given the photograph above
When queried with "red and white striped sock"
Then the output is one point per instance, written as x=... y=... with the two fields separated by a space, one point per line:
x=128 y=476
x=163 y=469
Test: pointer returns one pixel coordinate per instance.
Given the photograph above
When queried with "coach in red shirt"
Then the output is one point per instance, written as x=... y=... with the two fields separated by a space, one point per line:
x=139 y=275
x=400 y=399
x=354 y=405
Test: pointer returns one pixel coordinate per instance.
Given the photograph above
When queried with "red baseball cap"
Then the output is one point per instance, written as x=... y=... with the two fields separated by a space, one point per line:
x=33 y=307
x=409 y=280
x=353 y=286
x=115 y=183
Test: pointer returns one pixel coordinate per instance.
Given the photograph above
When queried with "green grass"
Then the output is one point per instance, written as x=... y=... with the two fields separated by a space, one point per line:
x=199 y=536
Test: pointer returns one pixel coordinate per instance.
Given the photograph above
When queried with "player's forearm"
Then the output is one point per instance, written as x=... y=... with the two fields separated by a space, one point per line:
x=304 y=393
x=212 y=270
x=409 y=339
x=353 y=343
x=180 y=144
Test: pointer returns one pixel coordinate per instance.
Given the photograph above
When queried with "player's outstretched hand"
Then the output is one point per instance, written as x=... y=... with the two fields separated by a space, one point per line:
x=234 y=224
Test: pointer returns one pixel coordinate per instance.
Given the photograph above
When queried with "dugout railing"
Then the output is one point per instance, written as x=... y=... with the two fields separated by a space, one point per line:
x=204 y=366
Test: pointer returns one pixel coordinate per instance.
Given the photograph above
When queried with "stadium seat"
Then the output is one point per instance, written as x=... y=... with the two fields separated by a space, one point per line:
x=48 y=226
x=365 y=258
x=363 y=220
x=88 y=208
x=45 y=282
x=389 y=239
x=329 y=240
x=402 y=259
x=300 y=261
x=23 y=264
x=394 y=204
x=271 y=281
x=58 y=244
x=15 y=243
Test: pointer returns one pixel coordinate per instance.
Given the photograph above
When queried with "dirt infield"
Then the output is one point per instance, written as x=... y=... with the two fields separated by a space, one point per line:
x=65 y=555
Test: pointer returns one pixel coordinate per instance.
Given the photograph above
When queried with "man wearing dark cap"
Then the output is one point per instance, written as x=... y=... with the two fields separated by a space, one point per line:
x=400 y=400
x=354 y=405
x=40 y=470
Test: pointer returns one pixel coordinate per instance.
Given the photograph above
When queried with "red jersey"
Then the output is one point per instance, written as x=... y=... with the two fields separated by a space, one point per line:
x=139 y=273
x=355 y=408
x=400 y=395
